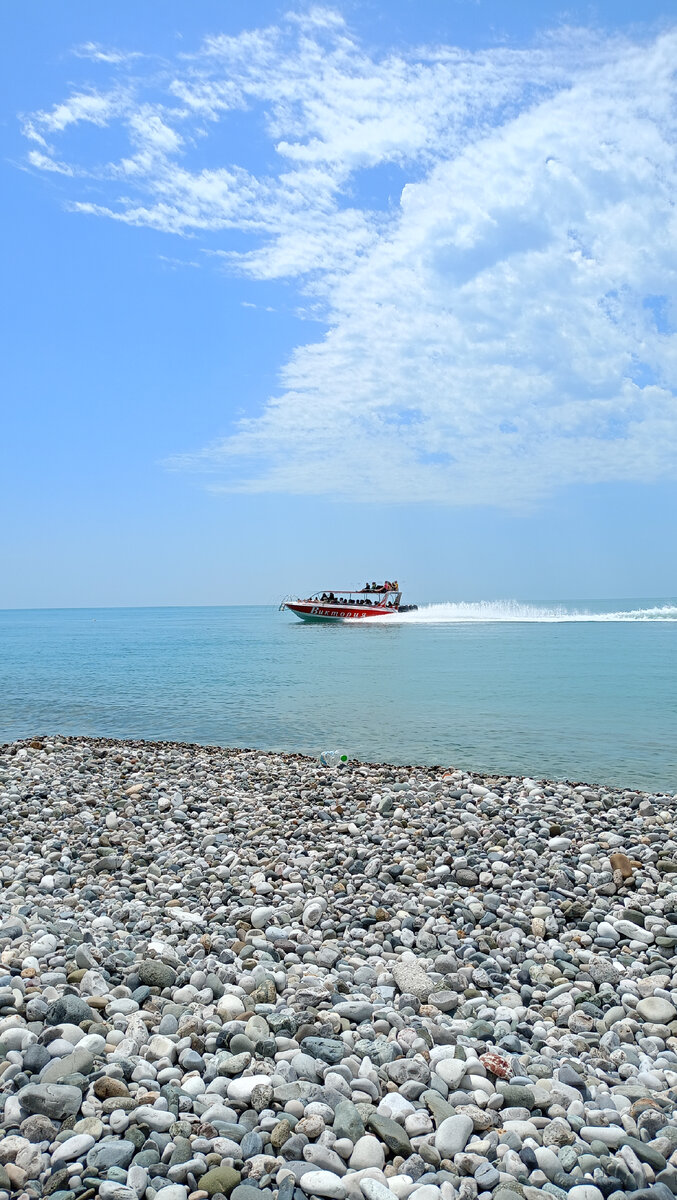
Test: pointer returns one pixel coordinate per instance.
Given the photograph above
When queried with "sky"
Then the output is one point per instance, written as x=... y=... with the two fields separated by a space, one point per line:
x=301 y=294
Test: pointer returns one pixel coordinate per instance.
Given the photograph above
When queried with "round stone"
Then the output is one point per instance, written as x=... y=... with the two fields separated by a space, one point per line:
x=368 y=1152
x=452 y=1135
x=321 y=1183
x=657 y=1010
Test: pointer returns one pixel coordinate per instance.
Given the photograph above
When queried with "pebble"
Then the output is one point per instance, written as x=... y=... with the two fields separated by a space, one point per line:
x=452 y=1135
x=230 y=973
x=323 y=1183
x=657 y=1009
x=75 y=1147
x=368 y=1152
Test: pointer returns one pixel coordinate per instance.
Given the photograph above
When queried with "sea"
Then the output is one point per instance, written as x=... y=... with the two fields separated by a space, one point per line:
x=584 y=691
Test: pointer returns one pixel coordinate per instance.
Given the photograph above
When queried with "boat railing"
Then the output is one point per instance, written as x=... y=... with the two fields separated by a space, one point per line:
x=341 y=596
x=378 y=598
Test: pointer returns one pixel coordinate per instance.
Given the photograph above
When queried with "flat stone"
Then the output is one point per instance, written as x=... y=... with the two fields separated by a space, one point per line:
x=391 y=1133
x=656 y=1009
x=368 y=1152
x=220 y=1179
x=347 y=1121
x=73 y=1148
x=241 y=1090
x=111 y=1189
x=154 y=973
x=486 y=1176
x=451 y=1071
x=354 y=1010
x=372 y=1189
x=245 y=1191
x=71 y=1009
x=452 y=1135
x=156 y=1118
x=612 y=1135
x=321 y=1183
x=329 y=1050
x=38 y=1129
x=53 y=1100
x=411 y=978
x=647 y=1154
x=111 y=1152
x=80 y=1061
x=634 y=932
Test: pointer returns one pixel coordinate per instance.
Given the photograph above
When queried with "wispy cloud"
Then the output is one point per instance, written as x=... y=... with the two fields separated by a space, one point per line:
x=105 y=54
x=176 y=263
x=501 y=319
x=44 y=162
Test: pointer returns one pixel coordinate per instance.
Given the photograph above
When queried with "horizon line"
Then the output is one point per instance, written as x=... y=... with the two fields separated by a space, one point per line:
x=274 y=603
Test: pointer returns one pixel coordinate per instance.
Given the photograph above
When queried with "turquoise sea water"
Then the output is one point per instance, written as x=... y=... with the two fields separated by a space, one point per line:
x=584 y=691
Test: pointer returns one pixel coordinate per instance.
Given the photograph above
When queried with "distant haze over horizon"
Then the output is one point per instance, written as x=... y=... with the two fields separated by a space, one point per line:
x=303 y=294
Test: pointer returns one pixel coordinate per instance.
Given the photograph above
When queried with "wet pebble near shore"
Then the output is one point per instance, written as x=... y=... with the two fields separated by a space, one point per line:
x=230 y=973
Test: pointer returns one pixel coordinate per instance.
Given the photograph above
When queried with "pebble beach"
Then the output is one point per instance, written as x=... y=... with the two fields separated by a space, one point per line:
x=242 y=974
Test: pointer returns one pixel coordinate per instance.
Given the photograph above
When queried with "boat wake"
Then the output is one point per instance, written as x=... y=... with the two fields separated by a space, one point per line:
x=512 y=611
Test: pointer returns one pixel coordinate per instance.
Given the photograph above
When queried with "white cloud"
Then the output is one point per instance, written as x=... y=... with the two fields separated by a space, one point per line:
x=175 y=263
x=44 y=162
x=504 y=324
x=105 y=54
x=96 y=108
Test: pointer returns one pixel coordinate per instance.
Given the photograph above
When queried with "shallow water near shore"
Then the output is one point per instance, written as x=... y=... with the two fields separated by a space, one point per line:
x=582 y=691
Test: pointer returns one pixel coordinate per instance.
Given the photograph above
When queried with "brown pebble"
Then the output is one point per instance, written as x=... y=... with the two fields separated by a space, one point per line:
x=621 y=862
x=17 y=1175
x=280 y=1134
x=108 y=1086
x=76 y=975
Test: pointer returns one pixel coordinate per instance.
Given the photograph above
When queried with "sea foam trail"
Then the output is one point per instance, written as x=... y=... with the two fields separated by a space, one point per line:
x=512 y=610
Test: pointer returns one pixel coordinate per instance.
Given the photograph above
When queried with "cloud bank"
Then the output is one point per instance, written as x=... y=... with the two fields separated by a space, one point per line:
x=490 y=239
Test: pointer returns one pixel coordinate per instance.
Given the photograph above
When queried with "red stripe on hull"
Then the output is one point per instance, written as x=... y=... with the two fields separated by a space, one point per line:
x=323 y=612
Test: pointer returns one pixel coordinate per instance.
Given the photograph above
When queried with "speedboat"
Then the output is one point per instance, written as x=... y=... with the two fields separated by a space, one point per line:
x=341 y=604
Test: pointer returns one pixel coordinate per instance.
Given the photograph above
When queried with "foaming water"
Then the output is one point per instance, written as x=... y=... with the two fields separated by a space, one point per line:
x=511 y=610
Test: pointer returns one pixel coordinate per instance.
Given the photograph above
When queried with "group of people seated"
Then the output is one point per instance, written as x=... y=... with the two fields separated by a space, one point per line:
x=330 y=598
x=381 y=587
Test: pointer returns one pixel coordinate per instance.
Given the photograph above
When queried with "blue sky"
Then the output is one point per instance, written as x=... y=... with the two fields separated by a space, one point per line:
x=304 y=293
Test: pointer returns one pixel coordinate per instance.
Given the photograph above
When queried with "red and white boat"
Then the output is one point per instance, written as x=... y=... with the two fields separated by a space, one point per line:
x=378 y=600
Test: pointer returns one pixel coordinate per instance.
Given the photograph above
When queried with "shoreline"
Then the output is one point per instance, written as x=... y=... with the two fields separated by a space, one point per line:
x=431 y=769
x=237 y=973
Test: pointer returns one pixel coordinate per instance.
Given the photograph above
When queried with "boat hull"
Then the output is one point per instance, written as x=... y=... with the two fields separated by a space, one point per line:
x=337 y=612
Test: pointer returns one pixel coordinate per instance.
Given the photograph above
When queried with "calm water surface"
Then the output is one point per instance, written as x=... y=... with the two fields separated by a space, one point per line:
x=584 y=692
